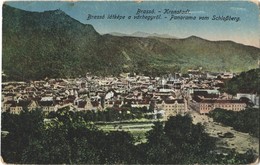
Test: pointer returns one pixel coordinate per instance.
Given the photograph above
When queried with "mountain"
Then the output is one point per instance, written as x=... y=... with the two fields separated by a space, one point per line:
x=162 y=35
x=52 y=44
x=118 y=34
x=142 y=34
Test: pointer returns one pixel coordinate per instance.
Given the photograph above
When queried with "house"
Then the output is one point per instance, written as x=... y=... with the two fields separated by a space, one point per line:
x=6 y=105
x=80 y=104
x=113 y=103
x=19 y=106
x=141 y=103
x=226 y=75
x=109 y=95
x=108 y=104
x=67 y=106
x=174 y=83
x=83 y=105
x=47 y=105
x=32 y=105
x=210 y=75
x=96 y=106
x=88 y=104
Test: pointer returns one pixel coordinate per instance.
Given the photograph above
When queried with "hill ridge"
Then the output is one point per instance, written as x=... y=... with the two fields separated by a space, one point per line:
x=36 y=46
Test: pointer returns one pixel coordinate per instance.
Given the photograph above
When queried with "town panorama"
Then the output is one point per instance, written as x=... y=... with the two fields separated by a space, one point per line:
x=94 y=83
x=132 y=103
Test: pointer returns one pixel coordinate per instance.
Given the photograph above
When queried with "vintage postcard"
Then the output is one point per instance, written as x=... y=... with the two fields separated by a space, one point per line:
x=130 y=82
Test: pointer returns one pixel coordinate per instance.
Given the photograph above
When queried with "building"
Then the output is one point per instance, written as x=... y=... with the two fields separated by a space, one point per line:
x=205 y=106
x=172 y=107
x=7 y=104
x=252 y=97
x=19 y=106
x=47 y=106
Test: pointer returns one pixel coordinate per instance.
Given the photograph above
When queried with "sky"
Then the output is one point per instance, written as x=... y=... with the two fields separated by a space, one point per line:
x=246 y=30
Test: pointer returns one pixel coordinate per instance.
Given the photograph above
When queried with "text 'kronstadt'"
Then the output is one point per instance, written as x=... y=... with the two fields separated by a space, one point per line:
x=169 y=11
x=164 y=11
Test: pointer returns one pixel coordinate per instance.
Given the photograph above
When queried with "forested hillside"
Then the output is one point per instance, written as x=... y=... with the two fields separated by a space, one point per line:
x=52 y=44
x=245 y=82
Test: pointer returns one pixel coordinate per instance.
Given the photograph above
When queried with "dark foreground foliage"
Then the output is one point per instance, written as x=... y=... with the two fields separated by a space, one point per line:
x=243 y=121
x=245 y=82
x=68 y=138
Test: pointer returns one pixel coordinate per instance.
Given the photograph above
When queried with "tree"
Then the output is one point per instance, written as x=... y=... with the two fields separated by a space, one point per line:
x=22 y=129
x=244 y=121
x=121 y=147
x=157 y=134
x=185 y=137
x=179 y=129
x=179 y=141
x=82 y=152
x=51 y=148
x=157 y=144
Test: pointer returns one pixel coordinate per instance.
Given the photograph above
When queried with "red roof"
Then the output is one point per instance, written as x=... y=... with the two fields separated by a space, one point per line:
x=222 y=101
